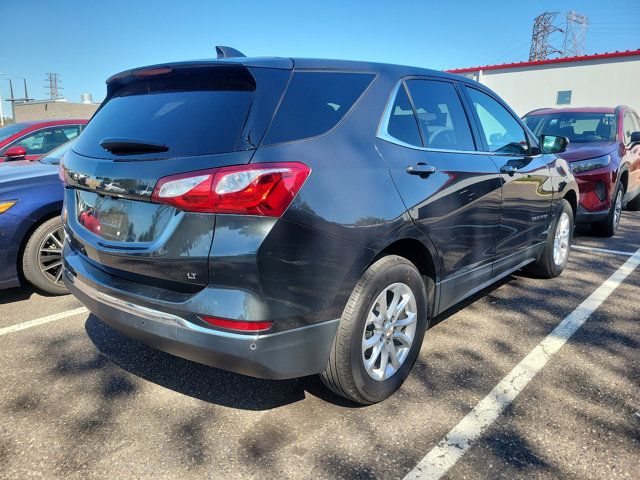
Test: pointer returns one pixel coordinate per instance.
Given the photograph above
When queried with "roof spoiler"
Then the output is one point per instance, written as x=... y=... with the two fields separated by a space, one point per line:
x=228 y=52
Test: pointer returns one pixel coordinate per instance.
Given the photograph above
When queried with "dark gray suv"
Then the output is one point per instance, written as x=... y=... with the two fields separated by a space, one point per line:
x=286 y=217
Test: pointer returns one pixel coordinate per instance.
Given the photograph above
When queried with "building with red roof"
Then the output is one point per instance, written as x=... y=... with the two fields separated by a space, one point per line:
x=601 y=80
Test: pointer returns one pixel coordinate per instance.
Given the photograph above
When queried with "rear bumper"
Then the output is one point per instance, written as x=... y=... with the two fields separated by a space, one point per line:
x=291 y=353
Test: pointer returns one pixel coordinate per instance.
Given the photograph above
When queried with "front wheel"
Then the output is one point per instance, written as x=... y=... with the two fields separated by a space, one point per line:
x=608 y=226
x=380 y=332
x=555 y=253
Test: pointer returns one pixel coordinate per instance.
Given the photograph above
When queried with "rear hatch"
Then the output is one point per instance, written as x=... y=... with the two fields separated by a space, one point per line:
x=157 y=122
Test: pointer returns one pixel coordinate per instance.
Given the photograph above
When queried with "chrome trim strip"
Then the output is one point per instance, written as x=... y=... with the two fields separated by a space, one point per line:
x=125 y=306
x=168 y=318
x=383 y=134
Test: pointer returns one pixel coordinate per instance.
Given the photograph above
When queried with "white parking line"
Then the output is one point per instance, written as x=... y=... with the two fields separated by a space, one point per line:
x=41 y=320
x=456 y=443
x=602 y=250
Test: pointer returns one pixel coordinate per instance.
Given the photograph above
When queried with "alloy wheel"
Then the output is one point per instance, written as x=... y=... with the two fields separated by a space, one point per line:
x=50 y=255
x=389 y=331
x=617 y=209
x=561 y=239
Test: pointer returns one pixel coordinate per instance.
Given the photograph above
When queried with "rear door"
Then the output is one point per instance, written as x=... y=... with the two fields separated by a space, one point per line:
x=451 y=190
x=527 y=189
x=156 y=123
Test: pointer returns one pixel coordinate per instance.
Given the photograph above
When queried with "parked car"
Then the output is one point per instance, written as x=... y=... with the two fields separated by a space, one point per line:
x=305 y=216
x=32 y=140
x=604 y=156
x=31 y=233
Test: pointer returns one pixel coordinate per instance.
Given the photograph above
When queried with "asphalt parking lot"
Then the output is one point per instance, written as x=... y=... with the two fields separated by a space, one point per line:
x=79 y=400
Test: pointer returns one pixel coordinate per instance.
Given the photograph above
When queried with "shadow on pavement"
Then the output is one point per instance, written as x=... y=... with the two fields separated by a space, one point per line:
x=201 y=381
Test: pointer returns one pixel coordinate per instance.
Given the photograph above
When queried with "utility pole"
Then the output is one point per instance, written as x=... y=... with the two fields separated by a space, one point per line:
x=53 y=86
x=543 y=27
x=575 y=35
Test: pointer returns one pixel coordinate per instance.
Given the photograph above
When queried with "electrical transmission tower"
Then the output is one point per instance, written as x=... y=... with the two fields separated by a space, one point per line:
x=53 y=86
x=543 y=27
x=575 y=35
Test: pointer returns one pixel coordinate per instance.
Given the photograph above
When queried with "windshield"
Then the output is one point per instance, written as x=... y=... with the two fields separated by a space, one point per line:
x=9 y=130
x=578 y=127
x=54 y=156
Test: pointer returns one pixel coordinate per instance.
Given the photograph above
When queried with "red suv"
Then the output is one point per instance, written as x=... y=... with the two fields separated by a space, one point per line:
x=32 y=140
x=604 y=156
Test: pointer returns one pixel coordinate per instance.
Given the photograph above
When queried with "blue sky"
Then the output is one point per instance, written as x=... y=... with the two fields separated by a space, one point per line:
x=87 y=41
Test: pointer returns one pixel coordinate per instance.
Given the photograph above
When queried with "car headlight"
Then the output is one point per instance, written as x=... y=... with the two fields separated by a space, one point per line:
x=6 y=205
x=591 y=164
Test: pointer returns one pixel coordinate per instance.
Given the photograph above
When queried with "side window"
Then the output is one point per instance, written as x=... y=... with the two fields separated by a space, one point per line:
x=314 y=103
x=628 y=127
x=402 y=122
x=441 y=117
x=502 y=132
x=43 y=141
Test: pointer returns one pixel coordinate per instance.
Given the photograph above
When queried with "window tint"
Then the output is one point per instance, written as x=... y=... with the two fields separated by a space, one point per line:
x=502 y=132
x=402 y=122
x=43 y=141
x=314 y=103
x=193 y=112
x=440 y=115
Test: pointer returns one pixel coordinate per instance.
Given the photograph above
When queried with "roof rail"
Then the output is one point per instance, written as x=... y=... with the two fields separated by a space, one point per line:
x=228 y=52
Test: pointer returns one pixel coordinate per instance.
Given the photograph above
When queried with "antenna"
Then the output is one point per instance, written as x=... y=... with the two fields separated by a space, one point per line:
x=575 y=34
x=54 y=88
x=543 y=27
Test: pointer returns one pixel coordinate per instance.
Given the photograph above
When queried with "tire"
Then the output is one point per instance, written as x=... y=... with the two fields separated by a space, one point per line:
x=43 y=274
x=555 y=253
x=346 y=373
x=634 y=204
x=608 y=226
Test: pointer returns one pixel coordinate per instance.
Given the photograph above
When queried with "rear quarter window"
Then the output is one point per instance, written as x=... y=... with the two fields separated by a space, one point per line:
x=314 y=103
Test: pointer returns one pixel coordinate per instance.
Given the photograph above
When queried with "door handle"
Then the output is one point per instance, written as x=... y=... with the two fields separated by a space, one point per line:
x=421 y=169
x=508 y=169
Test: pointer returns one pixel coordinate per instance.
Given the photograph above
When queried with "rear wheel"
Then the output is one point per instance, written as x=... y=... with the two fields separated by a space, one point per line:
x=555 y=254
x=42 y=257
x=608 y=226
x=380 y=332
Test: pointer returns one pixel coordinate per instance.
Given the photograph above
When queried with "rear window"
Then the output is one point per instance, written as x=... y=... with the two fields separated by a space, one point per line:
x=192 y=112
x=314 y=103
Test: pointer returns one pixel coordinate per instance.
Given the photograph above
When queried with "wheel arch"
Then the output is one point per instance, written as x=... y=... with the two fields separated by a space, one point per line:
x=423 y=256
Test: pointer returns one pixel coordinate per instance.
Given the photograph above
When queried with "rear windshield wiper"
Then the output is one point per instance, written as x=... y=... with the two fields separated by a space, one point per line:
x=128 y=146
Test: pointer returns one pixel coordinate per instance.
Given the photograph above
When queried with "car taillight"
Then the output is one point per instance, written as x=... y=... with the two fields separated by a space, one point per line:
x=257 y=189
x=239 y=325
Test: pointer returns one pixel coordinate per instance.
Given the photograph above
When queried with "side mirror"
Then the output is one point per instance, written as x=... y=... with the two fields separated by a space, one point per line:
x=16 y=153
x=635 y=139
x=553 y=143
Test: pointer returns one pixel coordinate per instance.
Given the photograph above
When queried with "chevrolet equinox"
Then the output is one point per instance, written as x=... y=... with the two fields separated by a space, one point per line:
x=283 y=217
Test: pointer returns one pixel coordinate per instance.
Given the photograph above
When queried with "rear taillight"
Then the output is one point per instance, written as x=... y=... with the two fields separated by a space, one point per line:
x=238 y=325
x=257 y=189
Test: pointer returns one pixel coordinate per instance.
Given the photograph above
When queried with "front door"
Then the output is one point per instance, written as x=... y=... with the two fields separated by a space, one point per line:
x=451 y=190
x=527 y=189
